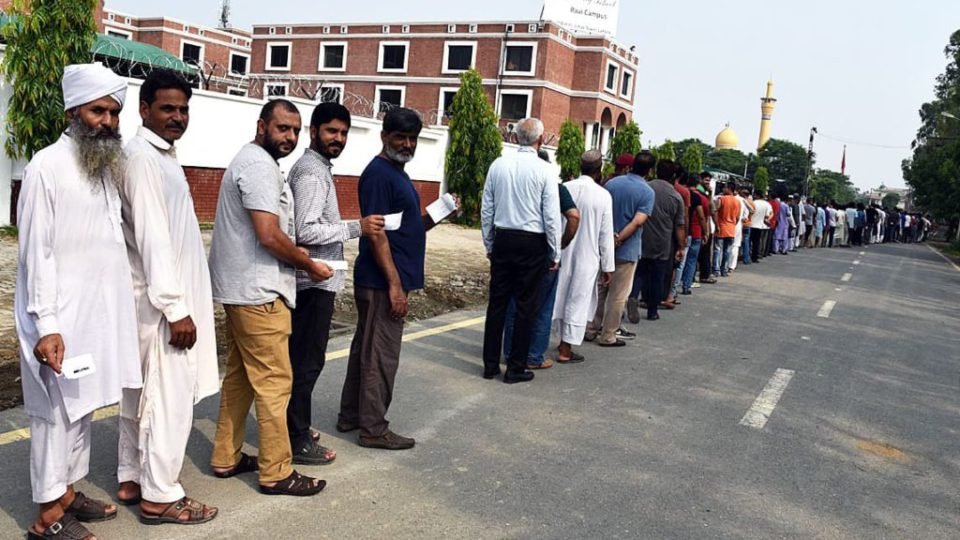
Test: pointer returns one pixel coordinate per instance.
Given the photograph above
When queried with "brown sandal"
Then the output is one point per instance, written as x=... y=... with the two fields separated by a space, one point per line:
x=67 y=528
x=245 y=465
x=197 y=513
x=296 y=484
x=89 y=510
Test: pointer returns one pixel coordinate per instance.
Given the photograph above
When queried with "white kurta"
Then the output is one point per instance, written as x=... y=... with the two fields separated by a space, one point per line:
x=73 y=278
x=171 y=281
x=590 y=252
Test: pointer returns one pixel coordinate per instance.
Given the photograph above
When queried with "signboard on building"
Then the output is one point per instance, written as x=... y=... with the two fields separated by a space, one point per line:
x=593 y=17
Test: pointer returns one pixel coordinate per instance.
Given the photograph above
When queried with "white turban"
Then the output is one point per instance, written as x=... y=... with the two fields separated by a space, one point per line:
x=83 y=83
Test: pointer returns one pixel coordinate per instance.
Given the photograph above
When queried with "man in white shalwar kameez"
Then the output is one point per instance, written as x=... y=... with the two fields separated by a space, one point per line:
x=174 y=302
x=590 y=252
x=74 y=307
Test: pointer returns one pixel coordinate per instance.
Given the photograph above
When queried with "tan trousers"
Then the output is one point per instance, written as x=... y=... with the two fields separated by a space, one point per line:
x=258 y=371
x=610 y=303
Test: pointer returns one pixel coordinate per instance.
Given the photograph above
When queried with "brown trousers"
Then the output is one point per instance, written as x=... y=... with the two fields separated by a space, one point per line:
x=258 y=372
x=372 y=368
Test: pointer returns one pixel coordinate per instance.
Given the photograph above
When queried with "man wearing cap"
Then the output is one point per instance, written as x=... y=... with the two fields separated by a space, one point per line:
x=74 y=311
x=622 y=166
x=590 y=252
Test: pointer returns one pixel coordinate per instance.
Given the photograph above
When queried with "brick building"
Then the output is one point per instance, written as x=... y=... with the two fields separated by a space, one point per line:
x=528 y=68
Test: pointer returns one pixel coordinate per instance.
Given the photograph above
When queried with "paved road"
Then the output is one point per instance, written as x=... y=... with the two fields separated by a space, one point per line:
x=644 y=441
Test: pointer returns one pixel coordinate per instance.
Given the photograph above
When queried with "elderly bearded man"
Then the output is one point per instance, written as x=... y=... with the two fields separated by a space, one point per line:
x=74 y=298
x=171 y=284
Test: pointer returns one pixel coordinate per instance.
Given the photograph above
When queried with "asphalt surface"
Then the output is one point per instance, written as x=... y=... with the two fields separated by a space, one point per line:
x=639 y=442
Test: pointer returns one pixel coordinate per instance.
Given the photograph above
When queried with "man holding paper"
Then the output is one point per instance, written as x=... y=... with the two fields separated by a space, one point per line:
x=388 y=267
x=320 y=230
x=74 y=311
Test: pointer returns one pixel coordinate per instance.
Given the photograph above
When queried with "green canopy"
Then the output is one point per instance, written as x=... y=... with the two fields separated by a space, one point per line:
x=117 y=49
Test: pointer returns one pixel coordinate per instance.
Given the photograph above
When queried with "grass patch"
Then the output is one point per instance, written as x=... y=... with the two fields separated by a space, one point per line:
x=952 y=249
x=206 y=226
x=9 y=231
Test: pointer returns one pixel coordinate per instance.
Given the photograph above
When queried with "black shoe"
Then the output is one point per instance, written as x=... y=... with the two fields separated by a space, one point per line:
x=686 y=292
x=626 y=334
x=388 y=441
x=313 y=454
x=633 y=311
x=511 y=378
x=653 y=317
x=490 y=374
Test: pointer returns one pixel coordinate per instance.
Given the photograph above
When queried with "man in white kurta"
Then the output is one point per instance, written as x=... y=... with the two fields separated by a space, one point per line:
x=174 y=302
x=590 y=252
x=74 y=297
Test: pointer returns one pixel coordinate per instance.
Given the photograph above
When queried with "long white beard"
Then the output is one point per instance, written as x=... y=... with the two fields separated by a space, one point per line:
x=100 y=157
x=397 y=156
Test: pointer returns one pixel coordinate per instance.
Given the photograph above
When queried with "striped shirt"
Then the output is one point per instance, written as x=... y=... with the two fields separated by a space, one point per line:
x=317 y=217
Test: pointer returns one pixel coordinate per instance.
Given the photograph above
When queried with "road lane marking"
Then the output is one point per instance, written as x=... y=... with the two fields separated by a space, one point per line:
x=944 y=257
x=112 y=411
x=856 y=262
x=838 y=289
x=863 y=253
x=847 y=277
x=766 y=402
x=826 y=309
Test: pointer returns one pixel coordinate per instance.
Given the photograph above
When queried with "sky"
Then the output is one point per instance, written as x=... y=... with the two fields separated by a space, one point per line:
x=858 y=70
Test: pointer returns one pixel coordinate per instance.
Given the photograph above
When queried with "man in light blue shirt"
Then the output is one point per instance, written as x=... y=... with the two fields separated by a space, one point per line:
x=520 y=221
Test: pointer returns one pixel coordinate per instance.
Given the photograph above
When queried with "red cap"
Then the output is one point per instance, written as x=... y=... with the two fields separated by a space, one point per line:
x=625 y=160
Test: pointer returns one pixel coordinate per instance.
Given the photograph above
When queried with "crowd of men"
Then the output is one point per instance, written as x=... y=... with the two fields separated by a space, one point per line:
x=115 y=293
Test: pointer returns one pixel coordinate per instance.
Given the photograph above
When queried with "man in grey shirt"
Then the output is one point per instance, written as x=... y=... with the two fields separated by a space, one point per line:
x=320 y=230
x=252 y=262
x=664 y=238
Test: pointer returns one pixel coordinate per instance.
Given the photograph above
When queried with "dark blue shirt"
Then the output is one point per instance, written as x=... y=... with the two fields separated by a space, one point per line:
x=386 y=189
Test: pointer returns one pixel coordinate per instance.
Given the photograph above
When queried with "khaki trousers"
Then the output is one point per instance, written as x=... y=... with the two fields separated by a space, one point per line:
x=258 y=372
x=606 y=321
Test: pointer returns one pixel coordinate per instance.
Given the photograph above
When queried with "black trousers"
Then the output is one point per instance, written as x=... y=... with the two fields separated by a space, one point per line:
x=517 y=266
x=652 y=276
x=756 y=238
x=308 y=353
x=705 y=259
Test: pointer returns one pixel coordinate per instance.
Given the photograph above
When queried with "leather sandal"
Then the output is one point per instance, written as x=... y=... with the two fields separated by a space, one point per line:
x=66 y=528
x=296 y=484
x=197 y=513
x=89 y=510
x=245 y=465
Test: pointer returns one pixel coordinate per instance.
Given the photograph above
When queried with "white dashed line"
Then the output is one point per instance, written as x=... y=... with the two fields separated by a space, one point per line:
x=863 y=253
x=856 y=262
x=826 y=309
x=847 y=277
x=767 y=401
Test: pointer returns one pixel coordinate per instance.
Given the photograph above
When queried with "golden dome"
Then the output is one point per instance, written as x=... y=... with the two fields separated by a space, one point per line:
x=727 y=139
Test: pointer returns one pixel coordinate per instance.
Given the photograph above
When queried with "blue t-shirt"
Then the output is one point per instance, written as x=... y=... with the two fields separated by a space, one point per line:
x=631 y=195
x=386 y=189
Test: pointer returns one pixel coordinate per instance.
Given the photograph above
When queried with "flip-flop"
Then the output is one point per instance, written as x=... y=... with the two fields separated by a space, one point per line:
x=617 y=343
x=574 y=359
x=245 y=465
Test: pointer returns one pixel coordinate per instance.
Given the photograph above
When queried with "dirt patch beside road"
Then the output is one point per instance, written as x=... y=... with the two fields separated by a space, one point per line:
x=457 y=277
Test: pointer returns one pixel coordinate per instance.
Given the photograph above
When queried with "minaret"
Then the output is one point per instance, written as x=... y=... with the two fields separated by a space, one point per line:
x=767 y=105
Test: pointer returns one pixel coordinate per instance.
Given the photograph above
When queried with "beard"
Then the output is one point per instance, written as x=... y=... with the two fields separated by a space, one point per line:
x=396 y=155
x=99 y=152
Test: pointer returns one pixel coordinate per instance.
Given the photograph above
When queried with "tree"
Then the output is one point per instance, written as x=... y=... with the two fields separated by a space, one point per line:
x=692 y=159
x=890 y=200
x=475 y=143
x=786 y=160
x=681 y=147
x=761 y=179
x=569 y=150
x=625 y=141
x=667 y=151
x=827 y=185
x=726 y=159
x=43 y=37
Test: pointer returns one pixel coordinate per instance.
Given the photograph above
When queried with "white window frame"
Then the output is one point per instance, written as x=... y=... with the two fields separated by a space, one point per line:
x=230 y=64
x=326 y=29
x=533 y=28
x=203 y=48
x=338 y=86
x=385 y=29
x=510 y=28
x=406 y=56
x=344 y=29
x=629 y=93
x=533 y=58
x=271 y=45
x=615 y=90
x=272 y=31
x=472 y=29
x=441 y=112
x=323 y=54
x=405 y=29
x=125 y=34
x=376 y=95
x=231 y=91
x=451 y=29
x=512 y=92
x=266 y=91
x=446 y=55
x=288 y=30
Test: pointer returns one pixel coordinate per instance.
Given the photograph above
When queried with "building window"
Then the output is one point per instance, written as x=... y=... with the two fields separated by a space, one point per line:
x=472 y=29
x=275 y=90
x=405 y=29
x=459 y=56
x=288 y=30
x=389 y=97
x=445 y=105
x=610 y=83
x=331 y=93
x=238 y=63
x=333 y=56
x=520 y=58
x=386 y=29
x=344 y=29
x=510 y=28
x=234 y=91
x=278 y=56
x=515 y=104
x=272 y=30
x=326 y=29
x=626 y=86
x=533 y=28
x=451 y=29
x=191 y=53
x=393 y=56
x=119 y=34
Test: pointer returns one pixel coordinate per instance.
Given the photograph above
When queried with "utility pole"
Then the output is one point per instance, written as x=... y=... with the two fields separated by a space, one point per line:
x=806 y=181
x=225 y=14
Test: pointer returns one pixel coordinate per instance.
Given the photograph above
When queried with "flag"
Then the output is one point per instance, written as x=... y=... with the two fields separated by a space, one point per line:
x=843 y=162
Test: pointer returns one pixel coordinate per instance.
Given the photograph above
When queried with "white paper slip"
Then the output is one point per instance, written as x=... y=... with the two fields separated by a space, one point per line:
x=334 y=265
x=442 y=207
x=78 y=367
x=392 y=221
